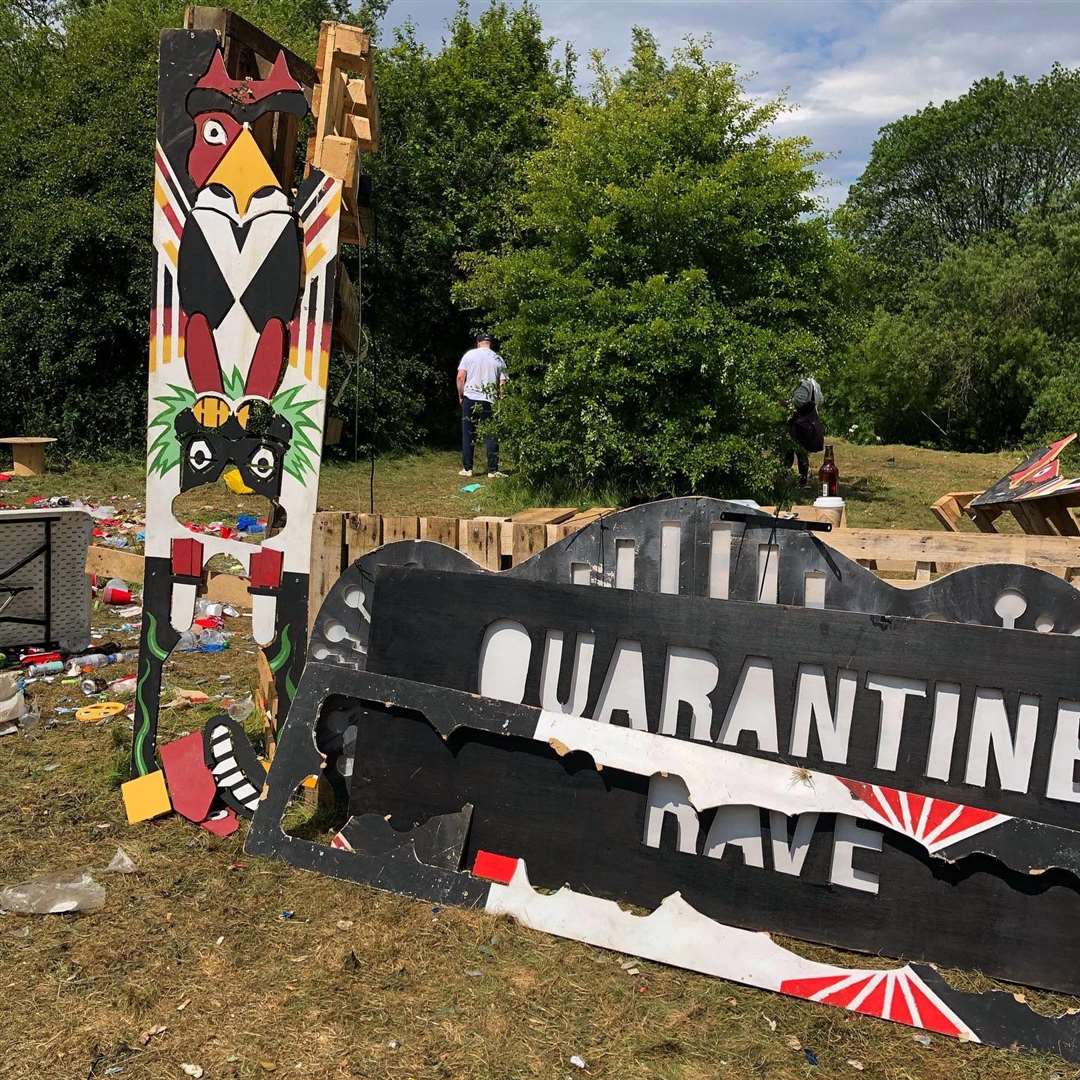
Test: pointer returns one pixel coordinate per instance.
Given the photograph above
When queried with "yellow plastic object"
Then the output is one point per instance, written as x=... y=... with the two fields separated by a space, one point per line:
x=235 y=482
x=100 y=710
x=145 y=797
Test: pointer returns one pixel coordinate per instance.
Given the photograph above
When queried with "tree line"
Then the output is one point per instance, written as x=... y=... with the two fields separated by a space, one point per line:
x=656 y=262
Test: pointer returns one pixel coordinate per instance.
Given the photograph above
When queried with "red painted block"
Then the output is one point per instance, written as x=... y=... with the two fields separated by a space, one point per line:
x=265 y=570
x=187 y=558
x=494 y=867
x=191 y=784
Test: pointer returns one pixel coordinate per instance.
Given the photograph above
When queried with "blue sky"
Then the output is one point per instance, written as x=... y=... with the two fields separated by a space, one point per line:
x=848 y=66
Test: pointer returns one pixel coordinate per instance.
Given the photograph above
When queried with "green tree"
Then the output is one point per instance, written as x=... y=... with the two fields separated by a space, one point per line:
x=457 y=127
x=666 y=288
x=76 y=173
x=986 y=348
x=953 y=173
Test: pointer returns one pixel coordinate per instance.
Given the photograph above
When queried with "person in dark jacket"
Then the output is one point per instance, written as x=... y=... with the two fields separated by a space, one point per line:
x=805 y=427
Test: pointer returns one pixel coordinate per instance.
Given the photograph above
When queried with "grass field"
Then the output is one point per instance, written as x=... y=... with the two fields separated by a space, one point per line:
x=253 y=969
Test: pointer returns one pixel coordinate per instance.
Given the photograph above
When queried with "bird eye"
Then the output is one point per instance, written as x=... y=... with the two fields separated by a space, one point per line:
x=262 y=463
x=199 y=455
x=214 y=133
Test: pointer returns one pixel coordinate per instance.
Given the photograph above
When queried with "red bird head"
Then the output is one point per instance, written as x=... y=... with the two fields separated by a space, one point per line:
x=222 y=110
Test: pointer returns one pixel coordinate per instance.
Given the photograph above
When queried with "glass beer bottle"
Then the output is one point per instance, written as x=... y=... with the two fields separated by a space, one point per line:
x=829 y=475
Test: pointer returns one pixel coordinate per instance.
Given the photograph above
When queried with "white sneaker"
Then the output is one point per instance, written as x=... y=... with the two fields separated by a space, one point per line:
x=464 y=472
x=496 y=475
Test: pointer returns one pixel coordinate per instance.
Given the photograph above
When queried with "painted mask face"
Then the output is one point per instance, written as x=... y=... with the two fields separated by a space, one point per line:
x=213 y=438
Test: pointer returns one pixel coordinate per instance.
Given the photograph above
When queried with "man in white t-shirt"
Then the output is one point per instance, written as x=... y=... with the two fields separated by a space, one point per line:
x=480 y=376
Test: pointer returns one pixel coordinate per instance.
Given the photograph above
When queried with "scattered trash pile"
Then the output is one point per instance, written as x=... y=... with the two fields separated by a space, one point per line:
x=105 y=674
x=124 y=526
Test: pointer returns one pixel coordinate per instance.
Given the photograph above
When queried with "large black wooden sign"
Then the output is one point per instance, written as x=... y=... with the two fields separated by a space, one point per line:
x=890 y=785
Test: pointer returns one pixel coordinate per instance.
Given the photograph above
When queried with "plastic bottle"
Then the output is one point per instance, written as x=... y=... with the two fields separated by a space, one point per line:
x=122 y=686
x=829 y=475
x=212 y=641
x=96 y=660
x=48 y=668
x=189 y=641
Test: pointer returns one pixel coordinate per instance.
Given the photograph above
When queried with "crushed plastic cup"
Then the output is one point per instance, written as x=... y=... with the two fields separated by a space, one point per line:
x=242 y=709
x=116 y=592
x=123 y=686
x=54 y=894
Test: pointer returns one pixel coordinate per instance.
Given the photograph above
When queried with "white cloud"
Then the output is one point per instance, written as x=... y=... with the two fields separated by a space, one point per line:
x=850 y=65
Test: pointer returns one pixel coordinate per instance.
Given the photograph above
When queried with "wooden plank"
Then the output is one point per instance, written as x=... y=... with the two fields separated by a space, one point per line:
x=400 y=528
x=947 y=511
x=327 y=558
x=528 y=539
x=545 y=515
x=1031 y=519
x=346 y=311
x=109 y=562
x=363 y=533
x=923 y=570
x=266 y=701
x=1058 y=512
x=229 y=589
x=984 y=517
x=228 y=24
x=352 y=48
x=441 y=530
x=356 y=97
x=337 y=158
x=479 y=539
x=1046 y=552
x=587 y=517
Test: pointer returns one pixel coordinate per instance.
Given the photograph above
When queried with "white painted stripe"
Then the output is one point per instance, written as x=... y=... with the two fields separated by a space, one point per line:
x=866 y=991
x=841 y=984
x=920 y=828
x=768 y=575
x=910 y=999
x=675 y=933
x=624 y=563
x=943 y=825
x=224 y=766
x=720 y=560
x=177 y=186
x=244 y=792
x=159 y=316
x=814 y=589
x=670 y=545
x=231 y=779
x=886 y=810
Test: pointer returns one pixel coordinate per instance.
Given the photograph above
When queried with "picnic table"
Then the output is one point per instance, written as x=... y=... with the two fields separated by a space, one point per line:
x=1035 y=493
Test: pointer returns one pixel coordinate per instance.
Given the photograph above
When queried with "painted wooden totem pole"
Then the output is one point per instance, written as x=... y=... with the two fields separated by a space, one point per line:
x=244 y=275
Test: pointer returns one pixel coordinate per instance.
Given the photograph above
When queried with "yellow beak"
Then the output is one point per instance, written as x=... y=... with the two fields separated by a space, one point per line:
x=243 y=170
x=235 y=482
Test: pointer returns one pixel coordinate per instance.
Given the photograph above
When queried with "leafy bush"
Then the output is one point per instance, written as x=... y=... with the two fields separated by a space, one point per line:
x=982 y=352
x=666 y=288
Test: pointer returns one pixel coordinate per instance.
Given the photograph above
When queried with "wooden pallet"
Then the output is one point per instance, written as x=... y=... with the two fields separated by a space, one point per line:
x=346 y=111
x=339 y=538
